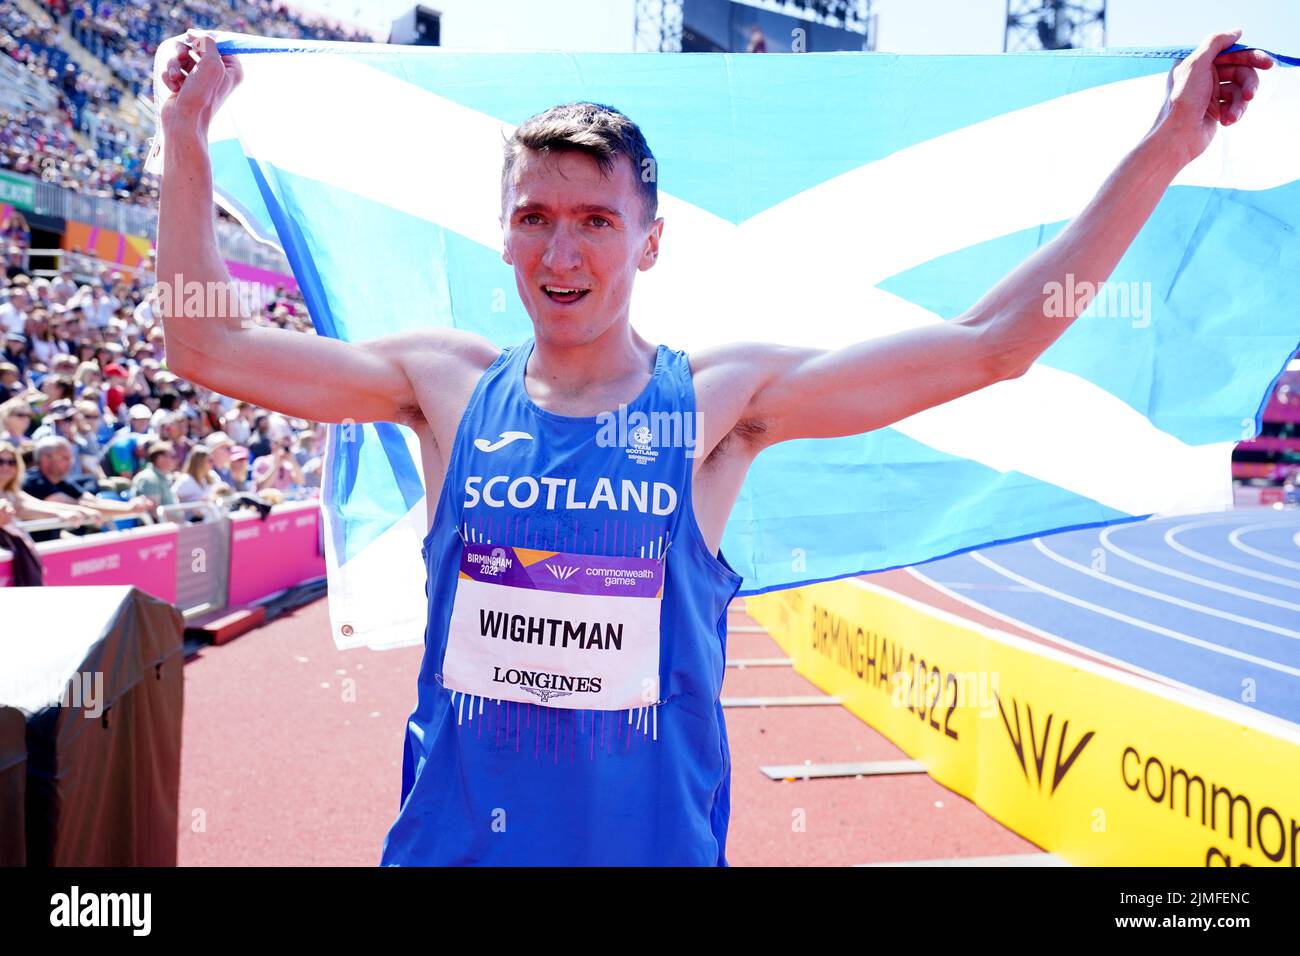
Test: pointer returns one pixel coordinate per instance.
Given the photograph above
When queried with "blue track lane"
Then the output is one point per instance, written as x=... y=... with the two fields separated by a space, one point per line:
x=1210 y=601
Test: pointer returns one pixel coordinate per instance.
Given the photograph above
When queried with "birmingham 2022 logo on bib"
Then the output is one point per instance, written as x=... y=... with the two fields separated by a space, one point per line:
x=577 y=631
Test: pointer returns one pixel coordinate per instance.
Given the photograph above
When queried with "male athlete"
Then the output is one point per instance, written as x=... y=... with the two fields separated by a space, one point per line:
x=568 y=708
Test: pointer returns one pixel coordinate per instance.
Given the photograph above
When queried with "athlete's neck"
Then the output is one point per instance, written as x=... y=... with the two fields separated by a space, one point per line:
x=610 y=369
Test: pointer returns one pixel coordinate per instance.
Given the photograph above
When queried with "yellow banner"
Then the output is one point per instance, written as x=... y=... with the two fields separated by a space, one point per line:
x=1097 y=766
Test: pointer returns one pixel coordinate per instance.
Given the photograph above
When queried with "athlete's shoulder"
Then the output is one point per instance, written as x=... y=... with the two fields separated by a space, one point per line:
x=738 y=362
x=729 y=378
x=424 y=351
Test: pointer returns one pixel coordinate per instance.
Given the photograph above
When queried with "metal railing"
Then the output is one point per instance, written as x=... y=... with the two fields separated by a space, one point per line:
x=52 y=200
x=216 y=509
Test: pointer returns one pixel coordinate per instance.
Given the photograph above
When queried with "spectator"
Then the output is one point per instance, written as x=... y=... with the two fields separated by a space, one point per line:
x=115 y=392
x=197 y=481
x=13 y=313
x=88 y=422
x=239 y=479
x=59 y=388
x=311 y=456
x=261 y=443
x=175 y=429
x=236 y=423
x=88 y=379
x=127 y=447
x=16 y=352
x=61 y=419
x=219 y=448
x=63 y=287
x=49 y=482
x=23 y=506
x=15 y=419
x=15 y=229
x=16 y=263
x=278 y=469
x=10 y=383
x=154 y=481
x=167 y=402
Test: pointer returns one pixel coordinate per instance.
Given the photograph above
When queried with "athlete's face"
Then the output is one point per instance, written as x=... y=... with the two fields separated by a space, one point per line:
x=569 y=226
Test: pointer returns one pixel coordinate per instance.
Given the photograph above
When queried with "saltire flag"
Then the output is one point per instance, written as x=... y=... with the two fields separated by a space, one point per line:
x=811 y=199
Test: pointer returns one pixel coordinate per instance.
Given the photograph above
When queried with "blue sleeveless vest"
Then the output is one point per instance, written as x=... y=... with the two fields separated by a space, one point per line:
x=568 y=709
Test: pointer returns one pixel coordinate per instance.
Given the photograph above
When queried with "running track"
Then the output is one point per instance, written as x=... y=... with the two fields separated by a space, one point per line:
x=278 y=769
x=1209 y=602
x=292 y=748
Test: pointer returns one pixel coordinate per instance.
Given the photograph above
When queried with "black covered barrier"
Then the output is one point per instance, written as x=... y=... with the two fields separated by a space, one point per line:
x=91 y=682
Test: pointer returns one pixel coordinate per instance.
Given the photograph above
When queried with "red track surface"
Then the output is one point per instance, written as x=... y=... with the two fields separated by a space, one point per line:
x=279 y=769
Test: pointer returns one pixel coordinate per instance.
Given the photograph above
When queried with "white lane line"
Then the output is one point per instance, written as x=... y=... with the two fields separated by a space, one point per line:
x=1083 y=649
x=1235 y=540
x=1166 y=688
x=1167 y=598
x=1192 y=578
x=1136 y=622
x=1171 y=540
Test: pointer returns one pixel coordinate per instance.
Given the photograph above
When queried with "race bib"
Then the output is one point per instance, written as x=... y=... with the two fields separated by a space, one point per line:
x=577 y=631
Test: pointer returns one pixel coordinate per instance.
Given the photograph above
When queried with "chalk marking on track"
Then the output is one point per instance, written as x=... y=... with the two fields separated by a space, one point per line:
x=1184 y=576
x=797 y=701
x=743 y=662
x=1168 y=598
x=1235 y=540
x=814 y=771
x=1171 y=540
x=1136 y=622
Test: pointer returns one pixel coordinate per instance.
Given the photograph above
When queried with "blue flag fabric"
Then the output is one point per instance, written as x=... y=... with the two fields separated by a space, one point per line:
x=811 y=199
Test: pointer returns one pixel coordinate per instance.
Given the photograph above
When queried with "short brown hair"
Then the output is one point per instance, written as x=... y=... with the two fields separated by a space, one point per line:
x=601 y=132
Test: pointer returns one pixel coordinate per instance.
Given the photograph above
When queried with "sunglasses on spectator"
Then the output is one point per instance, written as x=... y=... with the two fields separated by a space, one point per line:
x=11 y=462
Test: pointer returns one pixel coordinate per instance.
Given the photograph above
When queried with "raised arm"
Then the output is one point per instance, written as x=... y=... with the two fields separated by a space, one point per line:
x=807 y=393
x=307 y=376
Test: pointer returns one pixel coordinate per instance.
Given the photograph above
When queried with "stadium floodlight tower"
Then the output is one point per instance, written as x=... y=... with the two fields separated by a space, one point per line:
x=658 y=26
x=1055 y=24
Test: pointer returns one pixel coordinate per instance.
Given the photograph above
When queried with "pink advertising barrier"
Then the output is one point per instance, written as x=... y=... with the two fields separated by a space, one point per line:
x=145 y=557
x=271 y=555
x=6 y=570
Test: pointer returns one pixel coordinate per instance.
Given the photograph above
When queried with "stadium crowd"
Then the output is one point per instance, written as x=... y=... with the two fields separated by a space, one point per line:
x=125 y=35
x=43 y=145
x=95 y=431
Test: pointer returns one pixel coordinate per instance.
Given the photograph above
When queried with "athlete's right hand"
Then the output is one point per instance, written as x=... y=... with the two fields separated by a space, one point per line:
x=199 y=80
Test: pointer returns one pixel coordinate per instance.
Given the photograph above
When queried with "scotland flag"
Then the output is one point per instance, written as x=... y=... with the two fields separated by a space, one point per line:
x=810 y=199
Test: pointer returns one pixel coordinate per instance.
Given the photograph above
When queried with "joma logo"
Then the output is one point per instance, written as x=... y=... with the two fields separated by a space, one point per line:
x=1039 y=746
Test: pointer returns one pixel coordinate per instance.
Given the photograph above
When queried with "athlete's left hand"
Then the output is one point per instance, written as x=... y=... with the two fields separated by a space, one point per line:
x=1207 y=89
